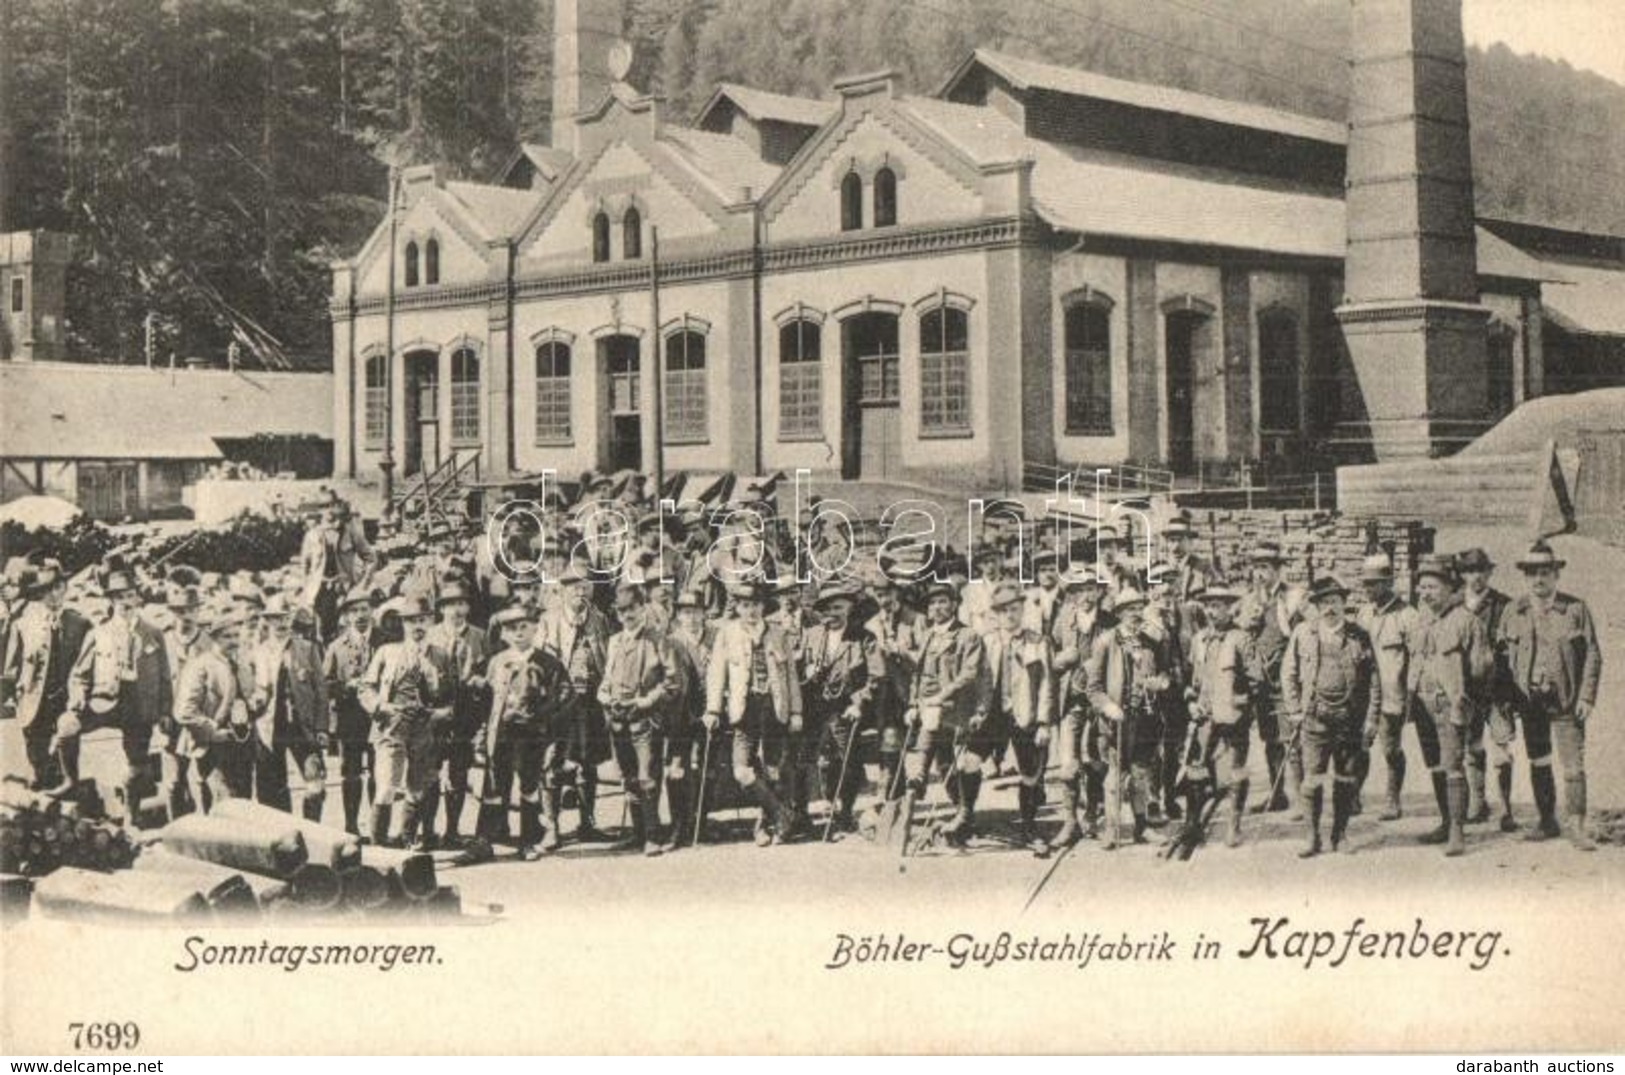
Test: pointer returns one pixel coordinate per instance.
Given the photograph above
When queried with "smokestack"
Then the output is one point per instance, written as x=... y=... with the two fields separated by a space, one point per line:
x=584 y=31
x=1411 y=316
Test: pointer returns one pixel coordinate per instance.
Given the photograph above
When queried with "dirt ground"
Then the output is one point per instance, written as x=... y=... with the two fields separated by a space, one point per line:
x=994 y=871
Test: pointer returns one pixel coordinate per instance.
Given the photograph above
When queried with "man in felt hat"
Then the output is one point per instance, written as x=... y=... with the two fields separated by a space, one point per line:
x=1189 y=572
x=1126 y=680
x=211 y=708
x=691 y=636
x=1330 y=685
x=122 y=680
x=577 y=633
x=44 y=640
x=292 y=719
x=1044 y=596
x=844 y=673
x=976 y=598
x=332 y=556
x=1169 y=623
x=1391 y=624
x=403 y=687
x=184 y=638
x=948 y=710
x=1555 y=666
x=899 y=630
x=1492 y=713
x=1221 y=713
x=460 y=647
x=1449 y=673
x=1269 y=612
x=344 y=669
x=642 y=684
x=1019 y=701
x=751 y=682
x=525 y=735
x=1082 y=769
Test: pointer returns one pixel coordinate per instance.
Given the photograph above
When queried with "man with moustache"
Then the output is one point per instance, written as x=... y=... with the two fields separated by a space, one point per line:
x=1082 y=769
x=344 y=668
x=43 y=643
x=843 y=674
x=460 y=647
x=1492 y=714
x=1126 y=680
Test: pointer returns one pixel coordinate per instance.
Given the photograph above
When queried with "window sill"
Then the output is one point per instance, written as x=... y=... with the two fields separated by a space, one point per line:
x=372 y=445
x=553 y=442
x=1097 y=431
x=956 y=433
x=686 y=442
x=802 y=438
x=466 y=442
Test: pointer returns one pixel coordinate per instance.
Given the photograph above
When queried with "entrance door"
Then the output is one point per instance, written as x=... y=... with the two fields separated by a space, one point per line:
x=871 y=432
x=422 y=412
x=1184 y=331
x=619 y=358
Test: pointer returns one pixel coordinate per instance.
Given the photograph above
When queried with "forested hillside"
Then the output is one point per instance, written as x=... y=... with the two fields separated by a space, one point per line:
x=213 y=156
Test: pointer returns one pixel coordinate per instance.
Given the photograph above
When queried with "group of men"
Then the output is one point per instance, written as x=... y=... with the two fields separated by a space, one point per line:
x=443 y=674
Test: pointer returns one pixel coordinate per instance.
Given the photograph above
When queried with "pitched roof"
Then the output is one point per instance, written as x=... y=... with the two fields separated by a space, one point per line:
x=1031 y=74
x=725 y=163
x=499 y=211
x=1588 y=298
x=761 y=105
x=72 y=410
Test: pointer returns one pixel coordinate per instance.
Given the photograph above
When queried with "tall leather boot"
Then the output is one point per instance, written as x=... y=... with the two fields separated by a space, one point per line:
x=963 y=825
x=350 y=792
x=587 y=832
x=1503 y=791
x=773 y=821
x=1342 y=809
x=682 y=814
x=1094 y=799
x=311 y=804
x=1027 y=812
x=428 y=812
x=891 y=783
x=379 y=830
x=1544 y=786
x=410 y=808
x=454 y=816
x=1441 y=793
x=1238 y=807
x=1477 y=808
x=1137 y=799
x=1362 y=770
x=550 y=810
x=1069 y=832
x=650 y=796
x=1112 y=822
x=1574 y=802
x=1314 y=800
x=530 y=828
x=1456 y=793
x=1391 y=810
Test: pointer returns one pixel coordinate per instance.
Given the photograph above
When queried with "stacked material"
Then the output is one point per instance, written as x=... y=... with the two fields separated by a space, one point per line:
x=40 y=832
x=1313 y=543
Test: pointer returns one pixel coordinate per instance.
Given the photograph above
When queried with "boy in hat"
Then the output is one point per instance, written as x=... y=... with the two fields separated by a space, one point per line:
x=844 y=675
x=460 y=647
x=948 y=709
x=1555 y=666
x=44 y=640
x=290 y=711
x=1221 y=712
x=1126 y=680
x=1269 y=612
x=1330 y=687
x=1492 y=711
x=525 y=735
x=642 y=682
x=1452 y=667
x=344 y=669
x=1391 y=624
x=1082 y=770
x=752 y=682
x=402 y=688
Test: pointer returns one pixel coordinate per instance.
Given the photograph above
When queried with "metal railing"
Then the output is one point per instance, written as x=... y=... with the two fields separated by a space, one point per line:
x=1117 y=479
x=432 y=495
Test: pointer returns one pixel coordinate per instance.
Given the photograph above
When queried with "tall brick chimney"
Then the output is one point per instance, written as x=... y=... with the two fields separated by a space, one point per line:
x=1411 y=316
x=583 y=33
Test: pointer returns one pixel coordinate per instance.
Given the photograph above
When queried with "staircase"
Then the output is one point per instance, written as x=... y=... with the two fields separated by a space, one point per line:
x=439 y=495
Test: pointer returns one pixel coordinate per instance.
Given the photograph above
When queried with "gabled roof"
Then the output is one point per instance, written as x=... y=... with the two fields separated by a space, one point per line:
x=64 y=410
x=498 y=211
x=1589 y=298
x=725 y=163
x=1031 y=74
x=761 y=105
x=550 y=162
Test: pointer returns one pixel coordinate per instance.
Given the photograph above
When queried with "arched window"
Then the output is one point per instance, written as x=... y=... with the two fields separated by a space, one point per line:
x=872 y=342
x=376 y=401
x=632 y=235
x=1088 y=344
x=600 y=237
x=851 y=202
x=801 y=386
x=944 y=370
x=685 y=387
x=465 y=396
x=431 y=261
x=1280 y=407
x=885 y=198
x=553 y=393
x=411 y=264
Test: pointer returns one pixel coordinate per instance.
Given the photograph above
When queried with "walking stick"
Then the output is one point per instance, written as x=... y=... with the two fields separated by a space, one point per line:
x=1291 y=745
x=1117 y=814
x=699 y=803
x=1044 y=880
x=840 y=783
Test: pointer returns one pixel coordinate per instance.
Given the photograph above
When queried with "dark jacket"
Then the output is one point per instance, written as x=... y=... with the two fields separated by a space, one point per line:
x=1579 y=656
